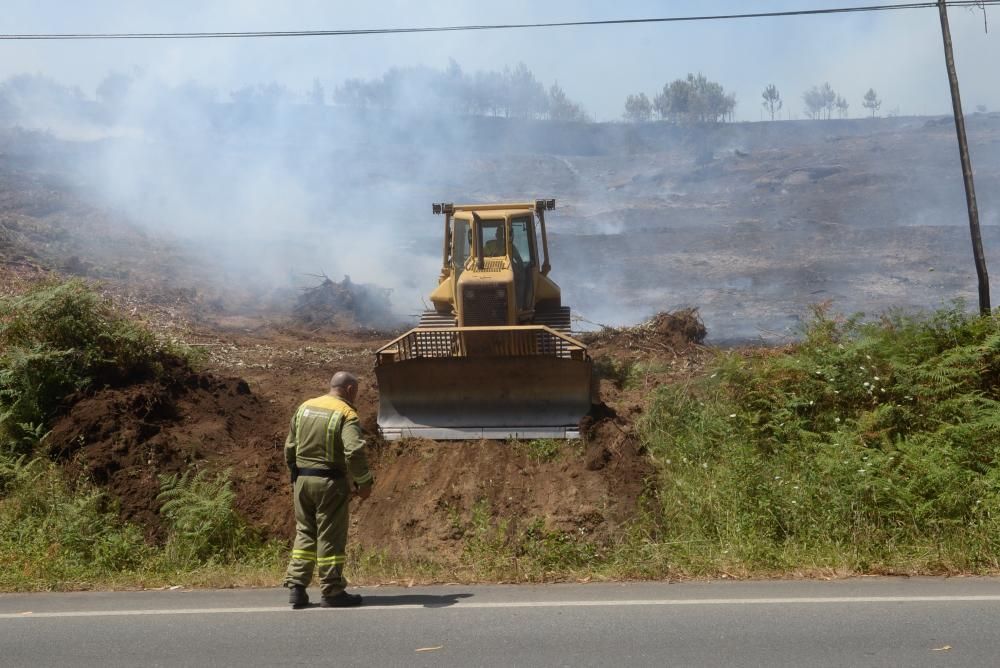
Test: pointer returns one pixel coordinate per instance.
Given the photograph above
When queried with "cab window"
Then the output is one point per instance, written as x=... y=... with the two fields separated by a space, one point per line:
x=521 y=239
x=461 y=243
x=494 y=243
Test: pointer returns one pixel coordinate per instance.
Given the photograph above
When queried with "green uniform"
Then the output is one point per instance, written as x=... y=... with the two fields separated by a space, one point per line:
x=324 y=437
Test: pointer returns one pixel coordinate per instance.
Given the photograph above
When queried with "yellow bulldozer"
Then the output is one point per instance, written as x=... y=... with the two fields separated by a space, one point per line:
x=494 y=358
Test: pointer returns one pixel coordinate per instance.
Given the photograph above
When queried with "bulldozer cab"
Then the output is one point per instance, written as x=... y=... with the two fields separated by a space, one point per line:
x=494 y=270
x=485 y=244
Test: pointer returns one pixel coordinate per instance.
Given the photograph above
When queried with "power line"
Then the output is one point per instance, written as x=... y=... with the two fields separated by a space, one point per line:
x=500 y=26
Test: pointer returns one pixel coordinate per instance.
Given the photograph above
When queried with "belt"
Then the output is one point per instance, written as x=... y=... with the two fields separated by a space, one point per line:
x=331 y=474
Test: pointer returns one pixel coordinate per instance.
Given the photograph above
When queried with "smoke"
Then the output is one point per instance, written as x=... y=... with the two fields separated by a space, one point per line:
x=246 y=153
x=267 y=187
x=898 y=53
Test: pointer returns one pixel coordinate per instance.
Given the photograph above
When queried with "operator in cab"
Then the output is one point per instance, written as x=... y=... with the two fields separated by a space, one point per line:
x=496 y=247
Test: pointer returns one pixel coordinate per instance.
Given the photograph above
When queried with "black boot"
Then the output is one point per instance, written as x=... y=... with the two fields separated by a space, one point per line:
x=297 y=597
x=341 y=600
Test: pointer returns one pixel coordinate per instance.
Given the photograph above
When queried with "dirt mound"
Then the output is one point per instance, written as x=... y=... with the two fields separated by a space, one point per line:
x=344 y=305
x=123 y=438
x=631 y=362
x=663 y=333
x=426 y=493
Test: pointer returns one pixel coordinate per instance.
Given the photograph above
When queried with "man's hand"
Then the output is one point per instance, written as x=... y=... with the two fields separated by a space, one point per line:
x=364 y=491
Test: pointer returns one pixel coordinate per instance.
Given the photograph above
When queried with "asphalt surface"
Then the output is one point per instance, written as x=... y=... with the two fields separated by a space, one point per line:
x=863 y=622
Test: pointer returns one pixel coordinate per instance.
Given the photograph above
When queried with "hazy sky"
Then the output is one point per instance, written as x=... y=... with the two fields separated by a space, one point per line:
x=898 y=53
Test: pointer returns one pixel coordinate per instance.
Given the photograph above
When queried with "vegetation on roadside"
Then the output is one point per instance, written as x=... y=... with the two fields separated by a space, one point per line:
x=64 y=338
x=59 y=339
x=56 y=535
x=869 y=447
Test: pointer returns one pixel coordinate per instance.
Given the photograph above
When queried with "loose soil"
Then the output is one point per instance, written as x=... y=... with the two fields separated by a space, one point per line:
x=425 y=494
x=771 y=218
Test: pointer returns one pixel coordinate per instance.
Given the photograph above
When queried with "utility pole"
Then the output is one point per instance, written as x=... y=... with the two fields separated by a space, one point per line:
x=963 y=150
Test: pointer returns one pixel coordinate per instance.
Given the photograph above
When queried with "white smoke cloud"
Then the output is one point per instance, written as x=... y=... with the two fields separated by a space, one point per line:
x=898 y=53
x=273 y=188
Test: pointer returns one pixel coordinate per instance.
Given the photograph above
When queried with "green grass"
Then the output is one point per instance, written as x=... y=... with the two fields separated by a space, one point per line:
x=51 y=533
x=511 y=550
x=545 y=449
x=57 y=536
x=870 y=447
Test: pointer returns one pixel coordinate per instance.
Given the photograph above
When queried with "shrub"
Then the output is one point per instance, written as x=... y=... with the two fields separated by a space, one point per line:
x=59 y=339
x=871 y=444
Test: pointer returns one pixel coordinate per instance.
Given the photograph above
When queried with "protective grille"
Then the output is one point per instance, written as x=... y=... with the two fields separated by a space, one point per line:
x=459 y=342
x=484 y=305
x=430 y=344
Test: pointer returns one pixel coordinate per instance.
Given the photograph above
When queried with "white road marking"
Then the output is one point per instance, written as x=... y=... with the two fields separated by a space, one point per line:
x=819 y=600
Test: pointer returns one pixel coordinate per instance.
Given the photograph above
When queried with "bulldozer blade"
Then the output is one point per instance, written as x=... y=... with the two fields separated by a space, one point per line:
x=459 y=398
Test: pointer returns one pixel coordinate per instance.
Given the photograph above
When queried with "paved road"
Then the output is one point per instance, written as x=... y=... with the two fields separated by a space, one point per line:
x=866 y=622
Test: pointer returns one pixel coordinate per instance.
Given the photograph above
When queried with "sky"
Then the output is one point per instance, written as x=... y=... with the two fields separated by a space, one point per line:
x=897 y=53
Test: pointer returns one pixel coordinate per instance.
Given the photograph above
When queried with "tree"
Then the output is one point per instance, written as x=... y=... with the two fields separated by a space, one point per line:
x=269 y=95
x=487 y=92
x=352 y=93
x=674 y=101
x=820 y=101
x=512 y=93
x=561 y=108
x=694 y=100
x=527 y=98
x=638 y=108
x=772 y=100
x=842 y=107
x=317 y=95
x=114 y=88
x=872 y=102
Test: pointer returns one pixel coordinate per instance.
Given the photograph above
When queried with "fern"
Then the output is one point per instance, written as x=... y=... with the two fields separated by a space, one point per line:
x=200 y=514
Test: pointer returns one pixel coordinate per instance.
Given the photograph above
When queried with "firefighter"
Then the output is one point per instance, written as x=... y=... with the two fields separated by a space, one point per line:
x=325 y=455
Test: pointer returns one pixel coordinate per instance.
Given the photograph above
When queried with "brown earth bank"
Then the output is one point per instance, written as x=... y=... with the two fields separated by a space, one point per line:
x=233 y=415
x=265 y=352
x=426 y=492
